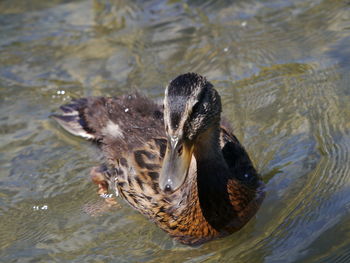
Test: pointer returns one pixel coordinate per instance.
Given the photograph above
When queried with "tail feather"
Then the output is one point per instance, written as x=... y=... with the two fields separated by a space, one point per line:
x=75 y=105
x=72 y=120
x=73 y=124
x=68 y=109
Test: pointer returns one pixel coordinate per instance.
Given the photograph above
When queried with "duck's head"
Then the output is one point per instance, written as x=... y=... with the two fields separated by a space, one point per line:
x=191 y=108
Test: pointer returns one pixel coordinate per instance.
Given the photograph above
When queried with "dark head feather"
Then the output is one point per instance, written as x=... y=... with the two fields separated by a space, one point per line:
x=192 y=102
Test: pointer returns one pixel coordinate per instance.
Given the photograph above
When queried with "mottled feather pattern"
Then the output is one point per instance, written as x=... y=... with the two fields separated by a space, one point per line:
x=130 y=131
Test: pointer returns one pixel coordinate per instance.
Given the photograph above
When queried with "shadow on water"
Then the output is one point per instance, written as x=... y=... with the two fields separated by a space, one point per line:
x=281 y=68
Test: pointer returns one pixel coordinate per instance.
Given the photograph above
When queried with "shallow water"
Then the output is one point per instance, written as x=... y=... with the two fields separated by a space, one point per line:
x=282 y=69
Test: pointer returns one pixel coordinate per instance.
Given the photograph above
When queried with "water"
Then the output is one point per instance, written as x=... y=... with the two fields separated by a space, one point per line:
x=282 y=68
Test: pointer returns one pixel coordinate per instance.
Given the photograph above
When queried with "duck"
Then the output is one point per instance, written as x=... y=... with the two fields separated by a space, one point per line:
x=177 y=162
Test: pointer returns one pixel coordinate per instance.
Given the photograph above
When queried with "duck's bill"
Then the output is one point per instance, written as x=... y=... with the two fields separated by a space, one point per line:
x=175 y=166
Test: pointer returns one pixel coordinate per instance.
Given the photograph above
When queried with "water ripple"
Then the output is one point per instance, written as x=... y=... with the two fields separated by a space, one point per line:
x=281 y=68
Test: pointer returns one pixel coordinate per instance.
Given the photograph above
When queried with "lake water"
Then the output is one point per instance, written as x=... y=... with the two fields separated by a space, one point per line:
x=282 y=69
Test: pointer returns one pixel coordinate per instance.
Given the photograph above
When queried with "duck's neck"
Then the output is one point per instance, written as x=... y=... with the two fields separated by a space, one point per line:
x=212 y=180
x=207 y=150
x=212 y=170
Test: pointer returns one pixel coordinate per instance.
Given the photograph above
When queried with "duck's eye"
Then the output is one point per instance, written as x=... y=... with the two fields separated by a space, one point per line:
x=179 y=150
x=195 y=107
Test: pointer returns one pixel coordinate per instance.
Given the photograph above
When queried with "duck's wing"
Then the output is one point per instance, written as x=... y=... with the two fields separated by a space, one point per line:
x=237 y=159
x=118 y=124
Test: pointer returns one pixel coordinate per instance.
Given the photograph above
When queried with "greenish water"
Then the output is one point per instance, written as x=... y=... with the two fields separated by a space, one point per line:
x=282 y=68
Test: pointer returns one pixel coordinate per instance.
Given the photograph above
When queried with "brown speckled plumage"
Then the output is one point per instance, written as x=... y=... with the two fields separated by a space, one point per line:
x=221 y=191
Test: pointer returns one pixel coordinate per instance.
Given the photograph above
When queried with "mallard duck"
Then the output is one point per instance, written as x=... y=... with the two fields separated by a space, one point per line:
x=175 y=163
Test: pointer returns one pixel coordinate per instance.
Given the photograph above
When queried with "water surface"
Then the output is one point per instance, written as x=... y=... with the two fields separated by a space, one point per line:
x=282 y=69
